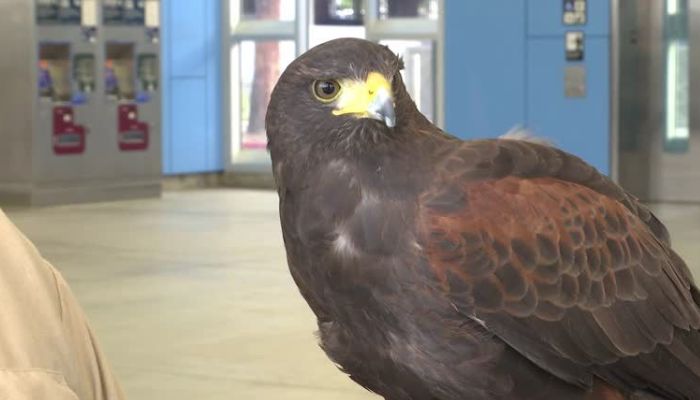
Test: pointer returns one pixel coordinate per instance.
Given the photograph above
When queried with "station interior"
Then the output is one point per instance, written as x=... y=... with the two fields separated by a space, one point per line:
x=133 y=152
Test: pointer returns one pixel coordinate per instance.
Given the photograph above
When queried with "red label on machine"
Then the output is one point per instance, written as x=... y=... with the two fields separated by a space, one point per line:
x=68 y=138
x=133 y=134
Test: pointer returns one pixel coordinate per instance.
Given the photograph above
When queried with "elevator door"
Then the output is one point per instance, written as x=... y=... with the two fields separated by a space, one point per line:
x=659 y=135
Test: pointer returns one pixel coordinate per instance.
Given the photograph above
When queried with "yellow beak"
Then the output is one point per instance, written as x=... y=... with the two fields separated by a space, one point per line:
x=369 y=99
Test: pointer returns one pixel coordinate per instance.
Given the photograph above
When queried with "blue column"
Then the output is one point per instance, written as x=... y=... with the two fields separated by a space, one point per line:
x=192 y=141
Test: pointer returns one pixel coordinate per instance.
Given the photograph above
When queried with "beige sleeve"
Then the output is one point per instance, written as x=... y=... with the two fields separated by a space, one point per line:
x=45 y=340
x=34 y=385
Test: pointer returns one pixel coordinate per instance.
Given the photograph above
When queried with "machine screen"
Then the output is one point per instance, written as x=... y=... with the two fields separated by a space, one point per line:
x=54 y=72
x=148 y=72
x=58 y=12
x=84 y=72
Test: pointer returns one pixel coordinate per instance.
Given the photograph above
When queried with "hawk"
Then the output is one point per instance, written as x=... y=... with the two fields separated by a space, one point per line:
x=442 y=269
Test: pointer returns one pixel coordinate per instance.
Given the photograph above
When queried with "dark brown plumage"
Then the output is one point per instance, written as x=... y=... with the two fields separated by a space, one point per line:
x=451 y=270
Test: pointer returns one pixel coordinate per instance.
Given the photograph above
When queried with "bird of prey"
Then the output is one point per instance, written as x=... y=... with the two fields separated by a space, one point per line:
x=442 y=269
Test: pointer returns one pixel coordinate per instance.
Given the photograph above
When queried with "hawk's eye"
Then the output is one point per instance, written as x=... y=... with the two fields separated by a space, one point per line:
x=326 y=90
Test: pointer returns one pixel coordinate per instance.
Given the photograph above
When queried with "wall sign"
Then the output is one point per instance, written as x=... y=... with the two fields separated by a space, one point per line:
x=574 y=12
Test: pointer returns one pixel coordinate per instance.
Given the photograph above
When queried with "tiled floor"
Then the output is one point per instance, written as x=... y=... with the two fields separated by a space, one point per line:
x=191 y=298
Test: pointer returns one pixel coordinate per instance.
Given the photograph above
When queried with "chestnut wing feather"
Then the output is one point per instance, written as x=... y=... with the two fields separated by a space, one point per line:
x=566 y=268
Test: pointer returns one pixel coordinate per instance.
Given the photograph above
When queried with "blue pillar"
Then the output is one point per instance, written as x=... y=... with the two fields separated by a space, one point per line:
x=192 y=141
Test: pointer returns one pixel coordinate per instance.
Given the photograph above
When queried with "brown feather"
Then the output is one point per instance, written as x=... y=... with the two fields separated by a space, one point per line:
x=576 y=257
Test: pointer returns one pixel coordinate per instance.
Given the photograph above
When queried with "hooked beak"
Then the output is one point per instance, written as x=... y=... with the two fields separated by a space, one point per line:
x=369 y=99
x=382 y=108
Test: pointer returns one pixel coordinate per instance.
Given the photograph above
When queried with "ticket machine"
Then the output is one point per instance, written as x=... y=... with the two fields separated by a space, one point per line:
x=49 y=113
x=131 y=83
x=63 y=89
x=81 y=78
x=65 y=81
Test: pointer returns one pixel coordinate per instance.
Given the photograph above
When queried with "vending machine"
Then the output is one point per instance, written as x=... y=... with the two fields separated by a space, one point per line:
x=79 y=94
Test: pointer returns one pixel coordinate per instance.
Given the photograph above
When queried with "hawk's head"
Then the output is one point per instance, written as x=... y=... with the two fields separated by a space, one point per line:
x=342 y=92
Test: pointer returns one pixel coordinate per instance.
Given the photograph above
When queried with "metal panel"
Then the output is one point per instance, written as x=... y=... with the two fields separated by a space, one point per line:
x=636 y=121
x=484 y=67
x=578 y=124
x=614 y=89
x=17 y=80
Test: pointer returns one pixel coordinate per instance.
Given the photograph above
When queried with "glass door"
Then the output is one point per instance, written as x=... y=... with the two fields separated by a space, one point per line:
x=266 y=35
x=677 y=88
x=658 y=86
